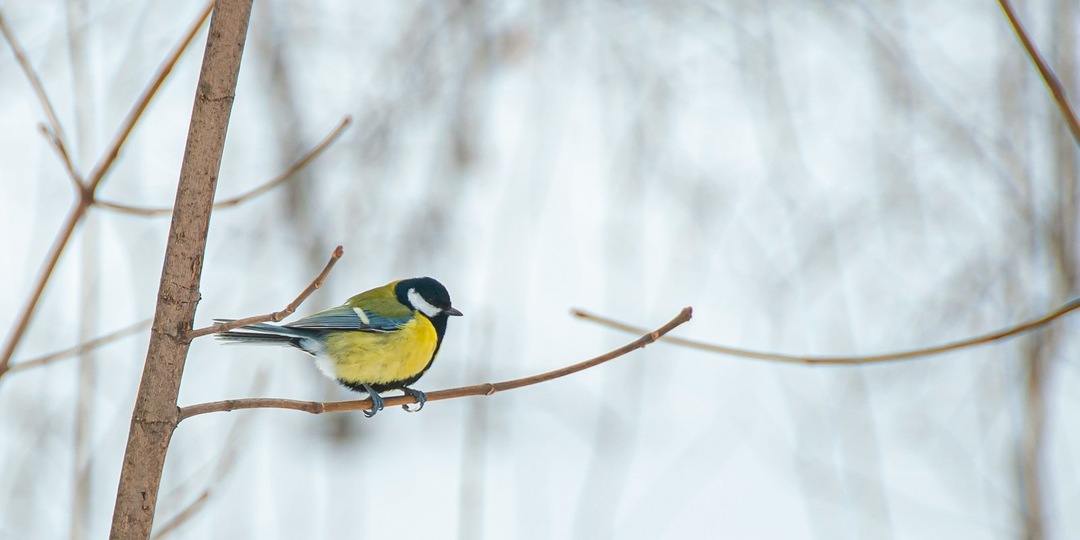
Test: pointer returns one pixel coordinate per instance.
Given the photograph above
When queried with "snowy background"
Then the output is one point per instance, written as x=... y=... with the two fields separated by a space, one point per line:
x=845 y=177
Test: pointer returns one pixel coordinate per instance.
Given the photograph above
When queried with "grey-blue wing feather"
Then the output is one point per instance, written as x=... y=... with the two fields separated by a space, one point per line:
x=346 y=318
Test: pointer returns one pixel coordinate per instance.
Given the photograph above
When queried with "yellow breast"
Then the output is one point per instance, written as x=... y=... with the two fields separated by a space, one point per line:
x=383 y=358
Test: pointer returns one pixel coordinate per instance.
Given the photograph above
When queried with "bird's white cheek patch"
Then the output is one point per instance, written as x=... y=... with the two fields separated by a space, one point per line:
x=423 y=305
x=363 y=316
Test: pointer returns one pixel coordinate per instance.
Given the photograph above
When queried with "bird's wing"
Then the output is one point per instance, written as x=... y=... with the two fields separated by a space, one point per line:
x=350 y=318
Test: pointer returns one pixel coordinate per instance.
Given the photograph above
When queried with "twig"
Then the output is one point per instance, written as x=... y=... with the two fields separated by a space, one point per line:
x=72 y=221
x=61 y=149
x=221 y=469
x=86 y=197
x=105 y=163
x=82 y=347
x=887 y=357
x=53 y=132
x=277 y=315
x=234 y=201
x=185 y=514
x=1048 y=75
x=485 y=389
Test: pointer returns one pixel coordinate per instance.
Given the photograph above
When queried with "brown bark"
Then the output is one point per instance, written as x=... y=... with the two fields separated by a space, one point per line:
x=156 y=413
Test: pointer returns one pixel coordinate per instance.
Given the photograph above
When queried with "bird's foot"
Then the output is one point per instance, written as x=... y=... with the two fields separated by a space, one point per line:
x=421 y=399
x=376 y=402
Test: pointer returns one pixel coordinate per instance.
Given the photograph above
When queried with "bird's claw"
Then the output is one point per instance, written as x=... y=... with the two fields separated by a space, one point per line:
x=376 y=402
x=421 y=399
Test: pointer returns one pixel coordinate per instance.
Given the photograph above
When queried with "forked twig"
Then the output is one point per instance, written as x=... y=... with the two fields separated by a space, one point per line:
x=234 y=201
x=105 y=163
x=485 y=389
x=88 y=188
x=277 y=315
x=998 y=335
x=54 y=132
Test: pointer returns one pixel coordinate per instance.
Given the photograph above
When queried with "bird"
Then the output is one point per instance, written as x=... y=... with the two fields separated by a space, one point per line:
x=382 y=339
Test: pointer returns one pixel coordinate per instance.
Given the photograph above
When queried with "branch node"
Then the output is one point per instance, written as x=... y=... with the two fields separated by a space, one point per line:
x=276 y=316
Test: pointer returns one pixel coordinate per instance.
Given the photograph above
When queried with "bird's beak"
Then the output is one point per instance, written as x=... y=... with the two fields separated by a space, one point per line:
x=452 y=311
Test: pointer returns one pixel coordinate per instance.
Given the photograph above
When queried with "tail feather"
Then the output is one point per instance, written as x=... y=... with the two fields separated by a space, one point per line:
x=253 y=338
x=264 y=334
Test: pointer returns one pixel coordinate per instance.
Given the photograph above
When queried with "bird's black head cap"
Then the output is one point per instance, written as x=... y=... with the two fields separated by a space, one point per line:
x=425 y=295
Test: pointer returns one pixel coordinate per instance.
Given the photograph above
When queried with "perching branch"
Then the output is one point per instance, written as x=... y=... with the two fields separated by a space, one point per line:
x=82 y=347
x=485 y=389
x=234 y=201
x=277 y=315
x=998 y=335
x=1048 y=75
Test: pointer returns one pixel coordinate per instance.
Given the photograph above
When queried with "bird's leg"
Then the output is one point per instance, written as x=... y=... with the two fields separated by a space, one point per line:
x=376 y=402
x=421 y=399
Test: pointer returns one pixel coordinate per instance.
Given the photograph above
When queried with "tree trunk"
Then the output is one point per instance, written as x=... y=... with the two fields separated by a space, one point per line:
x=156 y=413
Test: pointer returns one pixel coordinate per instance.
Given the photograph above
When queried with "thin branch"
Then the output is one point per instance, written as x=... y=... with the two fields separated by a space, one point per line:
x=485 y=389
x=82 y=347
x=86 y=197
x=53 y=132
x=61 y=149
x=105 y=163
x=184 y=515
x=277 y=315
x=221 y=470
x=234 y=201
x=57 y=249
x=991 y=337
x=1048 y=75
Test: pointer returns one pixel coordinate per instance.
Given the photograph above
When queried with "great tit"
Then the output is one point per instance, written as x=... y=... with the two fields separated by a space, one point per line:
x=382 y=339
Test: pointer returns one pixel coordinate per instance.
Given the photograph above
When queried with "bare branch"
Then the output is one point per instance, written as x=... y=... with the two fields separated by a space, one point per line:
x=184 y=515
x=54 y=132
x=289 y=172
x=61 y=149
x=105 y=163
x=82 y=347
x=234 y=201
x=277 y=315
x=57 y=249
x=86 y=196
x=1048 y=75
x=485 y=389
x=221 y=470
x=998 y=335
